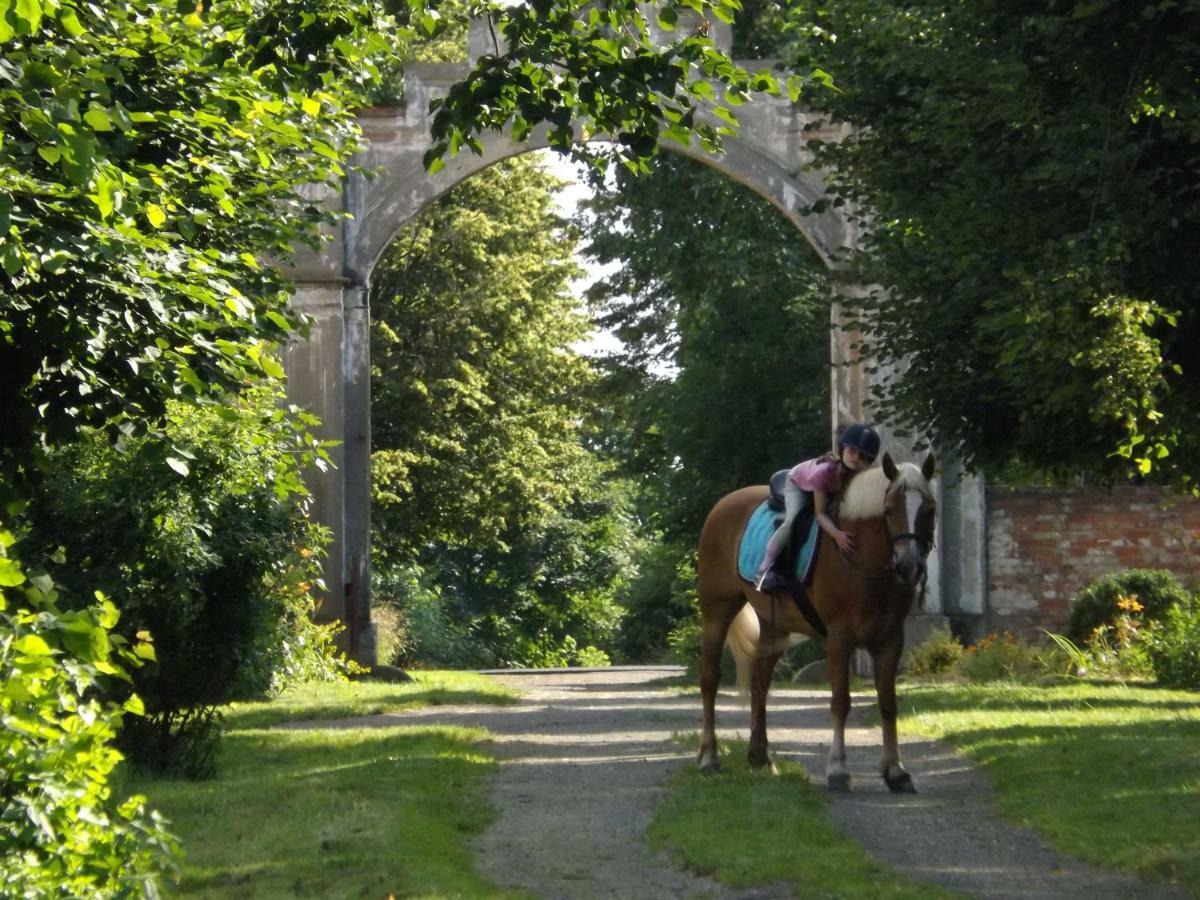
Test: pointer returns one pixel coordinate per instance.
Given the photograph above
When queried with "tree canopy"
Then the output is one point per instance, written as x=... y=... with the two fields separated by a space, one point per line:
x=1030 y=179
x=153 y=157
x=722 y=308
x=481 y=399
x=622 y=76
x=723 y=311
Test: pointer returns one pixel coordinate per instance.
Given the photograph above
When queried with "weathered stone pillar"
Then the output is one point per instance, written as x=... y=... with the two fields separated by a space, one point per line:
x=356 y=375
x=329 y=375
x=314 y=368
x=964 y=543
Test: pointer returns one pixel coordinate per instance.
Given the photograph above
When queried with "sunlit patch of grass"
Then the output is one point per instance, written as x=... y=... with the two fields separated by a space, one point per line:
x=346 y=699
x=332 y=812
x=749 y=827
x=1109 y=774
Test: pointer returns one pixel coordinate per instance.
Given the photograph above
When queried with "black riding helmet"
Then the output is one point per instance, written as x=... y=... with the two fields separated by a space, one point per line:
x=862 y=438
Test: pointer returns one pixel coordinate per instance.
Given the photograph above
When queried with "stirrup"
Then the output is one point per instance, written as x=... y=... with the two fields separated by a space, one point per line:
x=769 y=582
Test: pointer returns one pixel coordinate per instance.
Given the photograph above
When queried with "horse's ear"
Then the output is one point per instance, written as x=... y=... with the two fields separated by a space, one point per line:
x=889 y=467
x=927 y=467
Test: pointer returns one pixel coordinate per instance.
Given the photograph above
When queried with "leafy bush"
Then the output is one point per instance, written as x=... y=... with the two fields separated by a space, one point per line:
x=659 y=600
x=1008 y=658
x=62 y=832
x=1099 y=604
x=1173 y=647
x=393 y=642
x=1116 y=650
x=684 y=641
x=939 y=654
x=206 y=547
x=592 y=658
x=423 y=633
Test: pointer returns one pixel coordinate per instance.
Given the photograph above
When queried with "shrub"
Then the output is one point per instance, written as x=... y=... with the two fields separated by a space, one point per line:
x=205 y=546
x=684 y=641
x=658 y=600
x=1099 y=604
x=393 y=642
x=1116 y=650
x=592 y=658
x=1174 y=648
x=62 y=833
x=425 y=634
x=1008 y=658
x=938 y=654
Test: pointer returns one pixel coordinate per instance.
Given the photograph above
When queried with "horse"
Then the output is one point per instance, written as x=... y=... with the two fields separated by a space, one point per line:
x=861 y=598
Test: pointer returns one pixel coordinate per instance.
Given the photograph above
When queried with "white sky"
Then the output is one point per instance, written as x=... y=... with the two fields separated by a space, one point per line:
x=568 y=200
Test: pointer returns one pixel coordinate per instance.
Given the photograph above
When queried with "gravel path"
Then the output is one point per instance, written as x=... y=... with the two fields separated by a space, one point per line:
x=585 y=756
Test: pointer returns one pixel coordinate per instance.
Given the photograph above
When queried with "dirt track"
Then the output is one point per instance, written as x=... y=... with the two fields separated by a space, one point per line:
x=586 y=753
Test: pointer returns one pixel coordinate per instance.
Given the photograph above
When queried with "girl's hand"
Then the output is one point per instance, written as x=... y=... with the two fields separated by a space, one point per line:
x=844 y=540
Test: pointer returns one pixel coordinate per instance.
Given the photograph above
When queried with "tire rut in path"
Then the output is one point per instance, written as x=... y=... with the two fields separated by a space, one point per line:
x=586 y=754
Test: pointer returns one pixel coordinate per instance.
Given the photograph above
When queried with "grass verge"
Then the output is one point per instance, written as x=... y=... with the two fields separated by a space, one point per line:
x=1109 y=774
x=331 y=813
x=346 y=699
x=749 y=827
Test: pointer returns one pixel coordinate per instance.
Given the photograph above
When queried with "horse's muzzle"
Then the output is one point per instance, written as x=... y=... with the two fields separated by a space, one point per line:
x=910 y=568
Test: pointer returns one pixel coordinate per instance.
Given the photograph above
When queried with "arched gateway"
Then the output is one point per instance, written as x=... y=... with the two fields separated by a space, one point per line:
x=329 y=373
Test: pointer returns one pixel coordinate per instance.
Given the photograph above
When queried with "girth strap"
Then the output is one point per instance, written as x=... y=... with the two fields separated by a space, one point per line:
x=800 y=595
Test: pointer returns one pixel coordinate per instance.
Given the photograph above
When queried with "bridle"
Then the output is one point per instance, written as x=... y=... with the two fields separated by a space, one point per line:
x=926 y=544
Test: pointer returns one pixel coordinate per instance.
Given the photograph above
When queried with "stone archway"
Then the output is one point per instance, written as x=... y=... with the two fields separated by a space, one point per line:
x=329 y=373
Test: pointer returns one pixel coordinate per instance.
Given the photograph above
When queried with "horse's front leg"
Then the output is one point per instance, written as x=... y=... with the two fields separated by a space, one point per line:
x=838 y=648
x=760 y=686
x=887 y=662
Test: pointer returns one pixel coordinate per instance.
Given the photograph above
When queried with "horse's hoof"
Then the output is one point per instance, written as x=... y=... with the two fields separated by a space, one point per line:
x=758 y=762
x=711 y=768
x=900 y=784
x=839 y=782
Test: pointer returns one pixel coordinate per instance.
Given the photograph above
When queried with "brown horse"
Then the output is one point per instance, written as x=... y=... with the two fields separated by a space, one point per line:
x=861 y=598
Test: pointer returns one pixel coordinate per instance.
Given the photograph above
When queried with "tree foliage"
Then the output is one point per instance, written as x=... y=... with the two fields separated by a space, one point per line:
x=723 y=376
x=598 y=70
x=723 y=311
x=152 y=155
x=1029 y=174
x=63 y=832
x=481 y=478
x=219 y=566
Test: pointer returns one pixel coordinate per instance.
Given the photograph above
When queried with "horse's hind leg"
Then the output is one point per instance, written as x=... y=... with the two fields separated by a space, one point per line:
x=887 y=662
x=715 y=618
x=760 y=686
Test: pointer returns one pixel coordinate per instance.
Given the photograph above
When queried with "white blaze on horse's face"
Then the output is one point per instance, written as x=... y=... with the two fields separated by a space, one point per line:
x=909 y=545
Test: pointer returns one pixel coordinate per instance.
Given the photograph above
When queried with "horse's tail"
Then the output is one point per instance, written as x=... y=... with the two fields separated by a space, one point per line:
x=743 y=642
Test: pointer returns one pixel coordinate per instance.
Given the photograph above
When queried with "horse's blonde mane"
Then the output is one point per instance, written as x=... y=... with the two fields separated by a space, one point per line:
x=863 y=498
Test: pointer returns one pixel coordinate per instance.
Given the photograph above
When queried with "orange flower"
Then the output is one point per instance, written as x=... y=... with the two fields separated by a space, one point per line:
x=1129 y=604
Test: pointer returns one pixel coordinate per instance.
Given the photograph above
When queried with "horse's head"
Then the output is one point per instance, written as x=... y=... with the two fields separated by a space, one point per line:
x=909 y=515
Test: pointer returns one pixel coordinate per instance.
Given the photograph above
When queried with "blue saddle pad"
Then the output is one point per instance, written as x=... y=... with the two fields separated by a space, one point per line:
x=754 y=544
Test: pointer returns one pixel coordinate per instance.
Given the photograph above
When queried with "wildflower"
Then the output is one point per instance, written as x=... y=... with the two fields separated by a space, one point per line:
x=1129 y=604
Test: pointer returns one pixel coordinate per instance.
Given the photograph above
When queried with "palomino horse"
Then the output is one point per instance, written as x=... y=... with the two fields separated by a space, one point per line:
x=861 y=598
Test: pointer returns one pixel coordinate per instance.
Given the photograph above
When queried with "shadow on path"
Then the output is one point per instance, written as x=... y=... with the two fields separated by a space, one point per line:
x=586 y=755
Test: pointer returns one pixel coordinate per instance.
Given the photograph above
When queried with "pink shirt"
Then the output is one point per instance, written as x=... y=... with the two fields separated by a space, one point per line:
x=820 y=474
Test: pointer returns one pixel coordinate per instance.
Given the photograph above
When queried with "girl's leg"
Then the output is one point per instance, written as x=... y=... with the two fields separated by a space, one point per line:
x=793 y=502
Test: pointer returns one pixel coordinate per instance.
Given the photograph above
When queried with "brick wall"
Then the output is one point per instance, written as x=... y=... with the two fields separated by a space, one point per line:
x=1045 y=544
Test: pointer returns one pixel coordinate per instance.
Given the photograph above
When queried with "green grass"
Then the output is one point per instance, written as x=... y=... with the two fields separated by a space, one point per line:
x=342 y=699
x=749 y=828
x=335 y=813
x=1109 y=774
